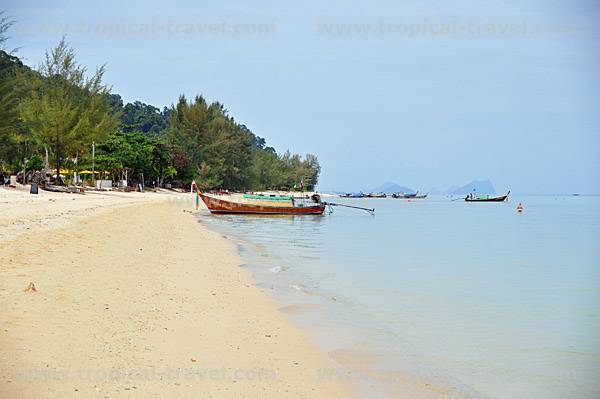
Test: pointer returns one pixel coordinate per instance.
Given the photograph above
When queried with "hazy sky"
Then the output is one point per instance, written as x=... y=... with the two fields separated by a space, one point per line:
x=423 y=93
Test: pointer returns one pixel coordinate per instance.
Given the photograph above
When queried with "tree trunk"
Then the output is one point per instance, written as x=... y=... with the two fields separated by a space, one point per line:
x=58 y=179
x=76 y=171
x=46 y=161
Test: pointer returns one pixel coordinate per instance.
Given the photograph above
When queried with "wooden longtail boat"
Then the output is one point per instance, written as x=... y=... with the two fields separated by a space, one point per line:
x=409 y=196
x=353 y=195
x=222 y=206
x=501 y=198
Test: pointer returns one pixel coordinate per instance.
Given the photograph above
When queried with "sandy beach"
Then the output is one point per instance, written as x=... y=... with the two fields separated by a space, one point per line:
x=134 y=298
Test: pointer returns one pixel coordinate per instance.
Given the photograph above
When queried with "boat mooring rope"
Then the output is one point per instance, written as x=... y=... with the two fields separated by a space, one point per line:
x=332 y=204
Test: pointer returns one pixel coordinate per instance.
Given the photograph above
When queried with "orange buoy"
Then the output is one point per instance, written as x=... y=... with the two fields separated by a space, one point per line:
x=520 y=208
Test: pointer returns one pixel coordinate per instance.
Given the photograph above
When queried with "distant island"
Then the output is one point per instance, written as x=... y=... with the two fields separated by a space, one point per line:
x=479 y=186
x=391 y=188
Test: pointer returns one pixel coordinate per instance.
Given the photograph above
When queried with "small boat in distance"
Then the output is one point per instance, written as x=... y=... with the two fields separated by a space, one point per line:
x=409 y=196
x=486 y=198
x=377 y=195
x=263 y=205
x=353 y=195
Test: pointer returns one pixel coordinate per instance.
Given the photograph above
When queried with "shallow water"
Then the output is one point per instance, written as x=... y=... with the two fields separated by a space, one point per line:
x=473 y=296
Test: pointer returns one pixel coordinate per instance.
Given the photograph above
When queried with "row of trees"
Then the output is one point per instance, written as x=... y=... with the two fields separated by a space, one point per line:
x=59 y=112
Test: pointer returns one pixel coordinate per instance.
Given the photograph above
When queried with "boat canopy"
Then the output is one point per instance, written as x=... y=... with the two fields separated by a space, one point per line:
x=268 y=197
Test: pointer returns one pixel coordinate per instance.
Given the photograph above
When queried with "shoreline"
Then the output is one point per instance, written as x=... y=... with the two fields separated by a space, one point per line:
x=134 y=296
x=356 y=361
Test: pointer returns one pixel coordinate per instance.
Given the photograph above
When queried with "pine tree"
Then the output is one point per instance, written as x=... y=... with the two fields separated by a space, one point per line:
x=66 y=110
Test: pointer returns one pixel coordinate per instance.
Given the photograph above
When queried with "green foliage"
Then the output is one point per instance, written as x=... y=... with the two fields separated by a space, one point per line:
x=219 y=150
x=124 y=150
x=145 y=158
x=220 y=153
x=65 y=110
x=34 y=163
x=6 y=23
x=267 y=171
x=145 y=118
x=161 y=161
x=16 y=141
x=273 y=172
x=9 y=116
x=115 y=103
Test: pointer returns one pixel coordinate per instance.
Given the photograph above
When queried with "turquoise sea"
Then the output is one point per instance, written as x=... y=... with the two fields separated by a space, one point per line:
x=475 y=297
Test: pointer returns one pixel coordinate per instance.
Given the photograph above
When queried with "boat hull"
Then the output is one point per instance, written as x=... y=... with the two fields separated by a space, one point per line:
x=404 y=196
x=220 y=206
x=494 y=199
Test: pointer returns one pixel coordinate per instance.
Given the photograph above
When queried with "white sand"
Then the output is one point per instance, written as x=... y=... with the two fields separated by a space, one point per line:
x=136 y=299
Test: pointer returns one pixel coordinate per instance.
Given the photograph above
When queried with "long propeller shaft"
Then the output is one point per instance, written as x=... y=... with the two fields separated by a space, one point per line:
x=370 y=210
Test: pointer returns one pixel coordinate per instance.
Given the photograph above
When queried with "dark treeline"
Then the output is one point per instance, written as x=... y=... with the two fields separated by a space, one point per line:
x=52 y=116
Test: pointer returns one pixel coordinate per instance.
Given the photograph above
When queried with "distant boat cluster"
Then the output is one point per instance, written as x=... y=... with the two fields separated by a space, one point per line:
x=469 y=198
x=384 y=195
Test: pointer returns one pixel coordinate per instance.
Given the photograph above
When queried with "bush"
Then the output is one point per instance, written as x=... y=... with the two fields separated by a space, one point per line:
x=35 y=163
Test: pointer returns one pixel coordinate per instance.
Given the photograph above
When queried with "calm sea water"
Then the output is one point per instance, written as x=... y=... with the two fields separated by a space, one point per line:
x=476 y=297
